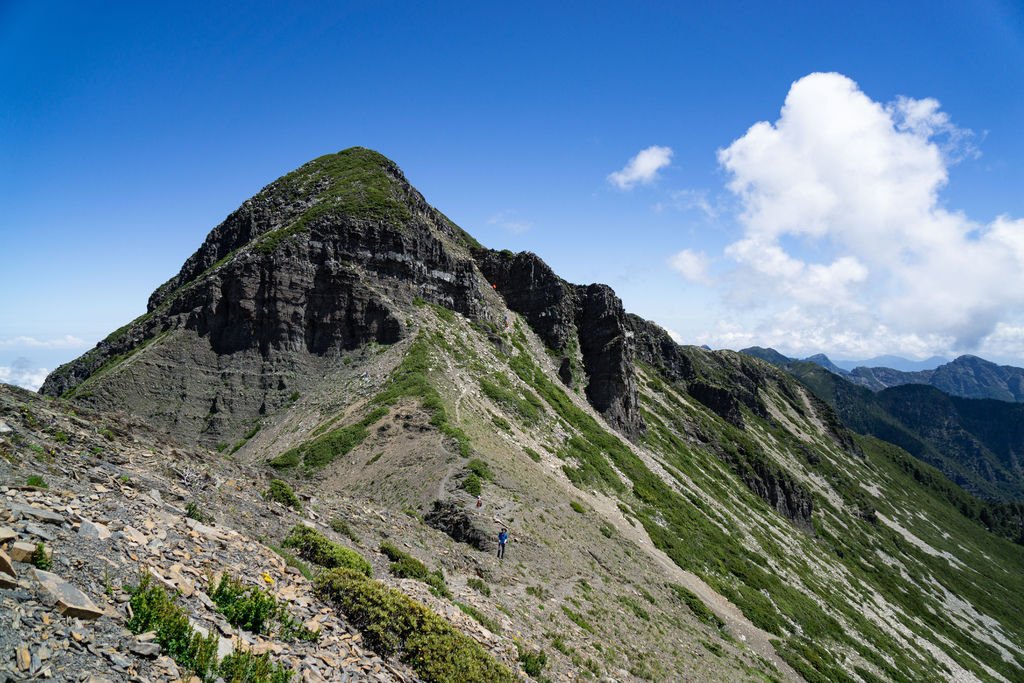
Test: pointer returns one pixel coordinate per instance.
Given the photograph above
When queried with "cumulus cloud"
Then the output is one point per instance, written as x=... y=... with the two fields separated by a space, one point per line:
x=692 y=265
x=66 y=342
x=21 y=374
x=844 y=231
x=643 y=168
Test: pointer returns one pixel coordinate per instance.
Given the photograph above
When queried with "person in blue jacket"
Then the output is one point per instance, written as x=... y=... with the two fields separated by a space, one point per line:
x=502 y=540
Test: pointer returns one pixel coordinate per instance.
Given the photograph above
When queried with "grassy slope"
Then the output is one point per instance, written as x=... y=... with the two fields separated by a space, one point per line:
x=856 y=600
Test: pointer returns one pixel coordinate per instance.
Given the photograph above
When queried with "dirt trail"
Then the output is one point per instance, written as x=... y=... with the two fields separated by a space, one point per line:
x=742 y=629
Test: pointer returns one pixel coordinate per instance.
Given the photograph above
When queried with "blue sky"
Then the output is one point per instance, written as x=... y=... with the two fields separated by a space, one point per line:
x=879 y=213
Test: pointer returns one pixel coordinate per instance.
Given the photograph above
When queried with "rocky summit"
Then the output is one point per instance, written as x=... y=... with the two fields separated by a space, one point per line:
x=295 y=465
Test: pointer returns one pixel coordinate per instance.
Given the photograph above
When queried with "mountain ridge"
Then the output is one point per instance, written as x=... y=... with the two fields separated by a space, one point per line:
x=360 y=345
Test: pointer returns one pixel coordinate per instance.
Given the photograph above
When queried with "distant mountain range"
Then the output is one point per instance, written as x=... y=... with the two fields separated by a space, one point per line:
x=966 y=376
x=894 y=362
x=977 y=443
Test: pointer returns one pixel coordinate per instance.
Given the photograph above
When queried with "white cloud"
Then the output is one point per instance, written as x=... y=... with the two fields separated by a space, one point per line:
x=66 y=342
x=845 y=242
x=676 y=337
x=643 y=168
x=21 y=375
x=692 y=265
x=507 y=220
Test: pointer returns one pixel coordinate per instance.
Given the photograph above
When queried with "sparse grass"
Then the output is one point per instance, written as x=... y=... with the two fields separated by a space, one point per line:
x=292 y=561
x=282 y=493
x=37 y=481
x=340 y=526
x=502 y=392
x=479 y=586
x=394 y=624
x=481 y=618
x=696 y=606
x=577 y=507
x=577 y=618
x=314 y=547
x=534 y=455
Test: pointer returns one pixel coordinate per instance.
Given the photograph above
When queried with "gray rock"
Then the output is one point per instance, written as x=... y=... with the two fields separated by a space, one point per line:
x=93 y=530
x=39 y=514
x=147 y=649
x=70 y=601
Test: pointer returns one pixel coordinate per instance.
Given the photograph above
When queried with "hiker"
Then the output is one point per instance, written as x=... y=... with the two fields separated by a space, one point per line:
x=479 y=501
x=502 y=540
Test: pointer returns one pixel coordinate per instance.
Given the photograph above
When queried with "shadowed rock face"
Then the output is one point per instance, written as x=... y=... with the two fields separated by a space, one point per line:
x=581 y=324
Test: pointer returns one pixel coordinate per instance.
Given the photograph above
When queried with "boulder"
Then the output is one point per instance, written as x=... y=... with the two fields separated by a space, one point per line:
x=71 y=602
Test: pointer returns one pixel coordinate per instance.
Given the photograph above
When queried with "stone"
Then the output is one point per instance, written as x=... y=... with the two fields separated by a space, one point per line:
x=71 y=602
x=93 y=530
x=7 y=534
x=38 y=514
x=6 y=566
x=4 y=427
x=8 y=581
x=22 y=551
x=147 y=649
x=24 y=657
x=39 y=532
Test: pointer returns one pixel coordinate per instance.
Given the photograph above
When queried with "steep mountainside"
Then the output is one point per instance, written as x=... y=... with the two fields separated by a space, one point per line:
x=676 y=513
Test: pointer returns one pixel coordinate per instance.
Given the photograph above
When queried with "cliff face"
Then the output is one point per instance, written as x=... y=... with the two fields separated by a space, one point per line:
x=582 y=324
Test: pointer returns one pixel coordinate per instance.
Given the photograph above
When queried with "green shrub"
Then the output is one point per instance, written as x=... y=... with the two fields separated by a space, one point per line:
x=41 y=559
x=246 y=607
x=340 y=526
x=533 y=663
x=577 y=507
x=193 y=511
x=245 y=667
x=394 y=624
x=607 y=530
x=313 y=546
x=471 y=485
x=154 y=610
x=480 y=469
x=37 y=481
x=281 y=492
x=534 y=455
x=479 y=586
x=405 y=566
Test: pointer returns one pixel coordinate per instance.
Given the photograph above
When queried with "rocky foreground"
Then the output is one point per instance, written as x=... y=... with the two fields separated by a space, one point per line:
x=87 y=506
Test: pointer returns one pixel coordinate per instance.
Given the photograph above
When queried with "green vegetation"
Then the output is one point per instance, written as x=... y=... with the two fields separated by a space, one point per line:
x=478 y=585
x=533 y=662
x=314 y=547
x=405 y=566
x=282 y=493
x=340 y=526
x=696 y=606
x=245 y=439
x=193 y=511
x=481 y=618
x=246 y=667
x=524 y=403
x=154 y=610
x=534 y=455
x=292 y=561
x=327 y=447
x=578 y=619
x=255 y=610
x=471 y=485
x=394 y=624
x=411 y=380
x=37 y=481
x=577 y=507
x=41 y=557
